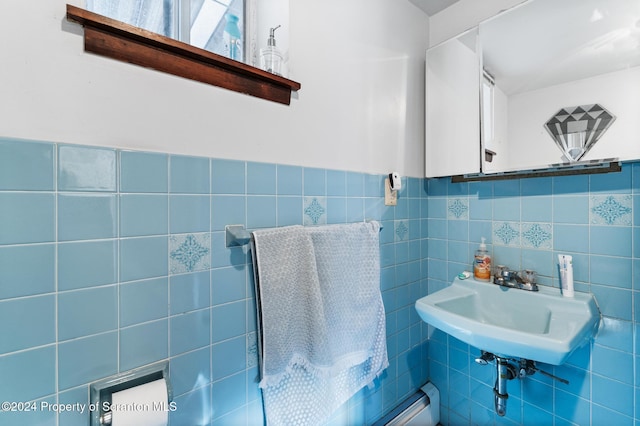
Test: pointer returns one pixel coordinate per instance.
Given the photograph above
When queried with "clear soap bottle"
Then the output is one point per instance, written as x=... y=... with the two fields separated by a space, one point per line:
x=270 y=56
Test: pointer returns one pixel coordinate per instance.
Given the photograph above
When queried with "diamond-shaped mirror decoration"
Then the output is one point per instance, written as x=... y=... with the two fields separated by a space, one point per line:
x=576 y=129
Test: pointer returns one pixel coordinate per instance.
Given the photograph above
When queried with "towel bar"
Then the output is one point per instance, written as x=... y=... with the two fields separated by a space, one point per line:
x=237 y=235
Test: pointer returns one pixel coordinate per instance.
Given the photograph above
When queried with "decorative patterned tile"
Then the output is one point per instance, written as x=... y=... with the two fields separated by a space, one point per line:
x=506 y=233
x=611 y=209
x=458 y=208
x=314 y=211
x=189 y=252
x=537 y=235
x=401 y=230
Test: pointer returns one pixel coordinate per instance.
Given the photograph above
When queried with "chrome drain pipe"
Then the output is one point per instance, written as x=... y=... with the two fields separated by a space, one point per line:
x=505 y=371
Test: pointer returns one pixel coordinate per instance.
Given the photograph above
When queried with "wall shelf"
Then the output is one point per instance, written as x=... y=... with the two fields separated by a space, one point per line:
x=610 y=165
x=118 y=40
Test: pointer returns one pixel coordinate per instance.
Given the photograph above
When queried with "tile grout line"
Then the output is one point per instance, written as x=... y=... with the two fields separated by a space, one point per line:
x=56 y=278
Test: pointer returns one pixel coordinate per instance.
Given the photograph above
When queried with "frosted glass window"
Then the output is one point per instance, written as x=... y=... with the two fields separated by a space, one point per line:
x=153 y=15
x=208 y=19
x=200 y=23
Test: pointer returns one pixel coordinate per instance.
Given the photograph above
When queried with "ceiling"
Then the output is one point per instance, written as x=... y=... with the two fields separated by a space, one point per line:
x=547 y=42
x=431 y=7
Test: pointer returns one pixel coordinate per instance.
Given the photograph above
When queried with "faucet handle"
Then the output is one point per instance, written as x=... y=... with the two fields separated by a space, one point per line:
x=508 y=275
x=498 y=270
x=499 y=274
x=529 y=276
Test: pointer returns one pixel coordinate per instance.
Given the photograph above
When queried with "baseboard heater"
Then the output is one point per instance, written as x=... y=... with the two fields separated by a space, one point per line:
x=420 y=409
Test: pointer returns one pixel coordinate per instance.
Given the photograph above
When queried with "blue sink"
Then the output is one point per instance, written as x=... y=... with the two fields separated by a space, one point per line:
x=540 y=326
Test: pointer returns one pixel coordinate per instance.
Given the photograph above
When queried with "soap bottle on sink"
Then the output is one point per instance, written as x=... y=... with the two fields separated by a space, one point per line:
x=482 y=263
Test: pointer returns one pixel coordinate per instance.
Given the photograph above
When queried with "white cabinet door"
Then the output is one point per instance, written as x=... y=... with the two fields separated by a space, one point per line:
x=453 y=107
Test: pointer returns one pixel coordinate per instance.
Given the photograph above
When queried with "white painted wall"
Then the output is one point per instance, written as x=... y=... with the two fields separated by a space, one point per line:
x=531 y=145
x=361 y=106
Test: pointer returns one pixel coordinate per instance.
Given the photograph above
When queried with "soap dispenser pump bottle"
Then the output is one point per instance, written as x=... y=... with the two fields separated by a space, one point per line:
x=482 y=263
x=270 y=56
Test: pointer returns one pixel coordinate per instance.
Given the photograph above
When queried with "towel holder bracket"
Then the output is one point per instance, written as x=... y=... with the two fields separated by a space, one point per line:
x=236 y=235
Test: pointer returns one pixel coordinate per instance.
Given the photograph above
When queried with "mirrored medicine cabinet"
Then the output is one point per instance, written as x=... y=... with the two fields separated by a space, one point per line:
x=545 y=85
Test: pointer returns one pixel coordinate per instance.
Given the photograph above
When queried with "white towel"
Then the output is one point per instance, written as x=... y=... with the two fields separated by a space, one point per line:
x=322 y=320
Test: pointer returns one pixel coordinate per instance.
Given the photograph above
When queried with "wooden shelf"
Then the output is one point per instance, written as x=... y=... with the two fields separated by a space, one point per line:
x=118 y=40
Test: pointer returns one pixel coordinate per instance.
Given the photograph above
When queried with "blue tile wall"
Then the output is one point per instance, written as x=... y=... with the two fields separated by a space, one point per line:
x=526 y=223
x=86 y=169
x=26 y=166
x=115 y=259
x=27 y=217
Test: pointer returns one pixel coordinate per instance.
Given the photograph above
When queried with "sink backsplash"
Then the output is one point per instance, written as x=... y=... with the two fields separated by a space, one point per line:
x=527 y=223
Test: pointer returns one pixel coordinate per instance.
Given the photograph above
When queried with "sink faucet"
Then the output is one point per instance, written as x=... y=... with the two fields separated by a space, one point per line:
x=512 y=279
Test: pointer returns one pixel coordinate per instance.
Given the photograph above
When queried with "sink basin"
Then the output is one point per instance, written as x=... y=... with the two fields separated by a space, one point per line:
x=540 y=326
